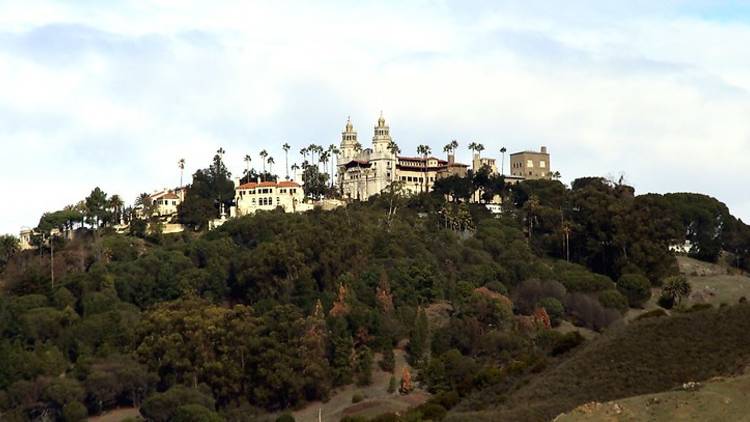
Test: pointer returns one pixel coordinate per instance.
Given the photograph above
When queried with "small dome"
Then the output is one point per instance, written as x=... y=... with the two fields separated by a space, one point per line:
x=349 y=126
x=381 y=120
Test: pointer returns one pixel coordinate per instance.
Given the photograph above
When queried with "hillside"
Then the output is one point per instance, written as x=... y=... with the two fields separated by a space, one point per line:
x=648 y=356
x=717 y=400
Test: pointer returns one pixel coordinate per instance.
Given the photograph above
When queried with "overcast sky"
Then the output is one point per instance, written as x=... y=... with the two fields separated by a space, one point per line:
x=112 y=94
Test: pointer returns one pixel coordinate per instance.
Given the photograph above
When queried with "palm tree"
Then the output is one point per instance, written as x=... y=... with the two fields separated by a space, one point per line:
x=220 y=152
x=393 y=148
x=567 y=228
x=319 y=149
x=248 y=159
x=324 y=157
x=286 y=147
x=357 y=147
x=181 y=165
x=263 y=155
x=116 y=204
x=425 y=150
x=333 y=152
x=502 y=162
x=556 y=175
x=295 y=167
x=303 y=153
x=271 y=162
x=312 y=148
x=531 y=207
x=676 y=288
x=473 y=146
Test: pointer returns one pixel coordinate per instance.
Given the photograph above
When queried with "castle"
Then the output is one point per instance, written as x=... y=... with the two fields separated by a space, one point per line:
x=366 y=172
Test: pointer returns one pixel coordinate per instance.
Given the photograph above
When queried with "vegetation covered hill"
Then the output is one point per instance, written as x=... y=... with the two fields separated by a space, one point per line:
x=274 y=311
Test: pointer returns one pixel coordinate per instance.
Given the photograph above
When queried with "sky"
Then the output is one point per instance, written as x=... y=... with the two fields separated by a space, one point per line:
x=113 y=94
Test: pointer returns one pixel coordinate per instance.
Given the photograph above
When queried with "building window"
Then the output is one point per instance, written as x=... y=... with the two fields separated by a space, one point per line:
x=529 y=164
x=542 y=164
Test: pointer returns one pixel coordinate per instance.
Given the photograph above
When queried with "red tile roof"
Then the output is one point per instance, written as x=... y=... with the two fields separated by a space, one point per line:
x=164 y=195
x=402 y=157
x=282 y=184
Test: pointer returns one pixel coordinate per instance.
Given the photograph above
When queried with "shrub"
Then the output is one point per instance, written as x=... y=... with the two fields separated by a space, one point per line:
x=567 y=342
x=666 y=302
x=388 y=363
x=447 y=399
x=161 y=407
x=286 y=417
x=697 y=307
x=656 y=313
x=431 y=411
x=74 y=411
x=392 y=384
x=196 y=413
x=357 y=397
x=554 y=308
x=577 y=278
x=385 y=417
x=497 y=287
x=530 y=292
x=636 y=288
x=613 y=299
x=588 y=312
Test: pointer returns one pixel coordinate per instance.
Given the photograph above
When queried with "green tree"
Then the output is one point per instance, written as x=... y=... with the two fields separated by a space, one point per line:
x=315 y=182
x=97 y=209
x=211 y=190
x=419 y=339
x=9 y=247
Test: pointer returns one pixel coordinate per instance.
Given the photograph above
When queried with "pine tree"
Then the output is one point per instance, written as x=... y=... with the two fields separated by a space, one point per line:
x=419 y=337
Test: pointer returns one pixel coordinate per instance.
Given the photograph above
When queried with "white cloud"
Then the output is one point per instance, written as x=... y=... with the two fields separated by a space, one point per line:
x=113 y=94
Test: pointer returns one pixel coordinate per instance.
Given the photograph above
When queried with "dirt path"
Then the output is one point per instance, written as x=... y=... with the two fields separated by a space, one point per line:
x=377 y=399
x=116 y=415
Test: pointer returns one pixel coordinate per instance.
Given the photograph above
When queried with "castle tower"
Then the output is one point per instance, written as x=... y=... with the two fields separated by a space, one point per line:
x=348 y=143
x=382 y=137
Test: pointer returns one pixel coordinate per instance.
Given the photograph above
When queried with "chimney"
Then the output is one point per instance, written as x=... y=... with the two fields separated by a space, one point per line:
x=451 y=158
x=544 y=150
x=236 y=182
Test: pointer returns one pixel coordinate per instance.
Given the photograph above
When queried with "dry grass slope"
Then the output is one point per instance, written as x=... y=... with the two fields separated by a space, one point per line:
x=644 y=357
x=719 y=400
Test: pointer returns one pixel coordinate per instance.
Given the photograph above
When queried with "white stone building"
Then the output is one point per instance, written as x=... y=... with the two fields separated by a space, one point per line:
x=366 y=172
x=254 y=196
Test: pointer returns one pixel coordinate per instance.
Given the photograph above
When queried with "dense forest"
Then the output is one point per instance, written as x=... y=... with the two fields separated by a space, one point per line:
x=271 y=311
